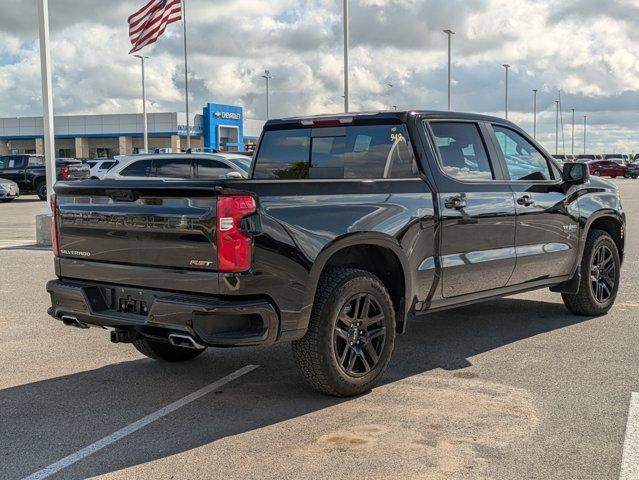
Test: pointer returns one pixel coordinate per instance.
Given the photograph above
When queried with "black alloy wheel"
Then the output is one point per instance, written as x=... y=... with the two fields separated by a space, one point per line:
x=359 y=335
x=603 y=274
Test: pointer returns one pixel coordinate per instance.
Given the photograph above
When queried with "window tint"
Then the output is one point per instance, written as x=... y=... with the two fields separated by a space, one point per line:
x=36 y=162
x=523 y=160
x=462 y=150
x=141 y=168
x=374 y=151
x=173 y=167
x=106 y=165
x=283 y=154
x=211 y=169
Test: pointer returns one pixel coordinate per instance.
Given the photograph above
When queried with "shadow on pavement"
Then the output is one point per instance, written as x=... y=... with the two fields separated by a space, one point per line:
x=45 y=421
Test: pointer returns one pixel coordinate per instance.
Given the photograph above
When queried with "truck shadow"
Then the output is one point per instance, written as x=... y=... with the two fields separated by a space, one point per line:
x=45 y=421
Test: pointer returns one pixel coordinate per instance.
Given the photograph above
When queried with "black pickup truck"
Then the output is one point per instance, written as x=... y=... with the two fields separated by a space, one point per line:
x=347 y=229
x=29 y=172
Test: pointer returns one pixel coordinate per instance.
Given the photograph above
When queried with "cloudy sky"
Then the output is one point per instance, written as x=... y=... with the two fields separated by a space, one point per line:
x=588 y=49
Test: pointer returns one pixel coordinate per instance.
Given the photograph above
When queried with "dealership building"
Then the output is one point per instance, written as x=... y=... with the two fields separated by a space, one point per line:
x=218 y=127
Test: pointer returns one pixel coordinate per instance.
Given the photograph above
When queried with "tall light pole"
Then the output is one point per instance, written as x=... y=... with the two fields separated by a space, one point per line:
x=267 y=75
x=557 y=129
x=346 y=73
x=535 y=113
x=450 y=34
x=506 y=67
x=186 y=77
x=572 y=148
x=585 y=125
x=146 y=124
x=47 y=98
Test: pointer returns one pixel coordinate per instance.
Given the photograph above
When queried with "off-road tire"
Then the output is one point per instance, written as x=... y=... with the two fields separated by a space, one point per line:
x=584 y=302
x=315 y=352
x=165 y=352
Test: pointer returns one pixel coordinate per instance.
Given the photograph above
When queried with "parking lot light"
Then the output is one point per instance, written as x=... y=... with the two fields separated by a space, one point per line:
x=450 y=34
x=506 y=67
x=535 y=113
x=146 y=125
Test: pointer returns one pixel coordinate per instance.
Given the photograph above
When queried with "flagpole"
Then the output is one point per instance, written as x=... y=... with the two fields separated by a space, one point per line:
x=186 y=78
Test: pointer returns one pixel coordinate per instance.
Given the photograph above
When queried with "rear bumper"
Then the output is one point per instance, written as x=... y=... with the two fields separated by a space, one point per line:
x=210 y=320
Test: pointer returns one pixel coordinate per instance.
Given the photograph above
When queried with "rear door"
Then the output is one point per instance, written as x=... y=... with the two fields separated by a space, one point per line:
x=547 y=222
x=477 y=246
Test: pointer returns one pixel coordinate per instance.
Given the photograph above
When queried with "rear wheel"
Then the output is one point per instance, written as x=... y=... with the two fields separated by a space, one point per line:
x=634 y=177
x=598 y=174
x=351 y=334
x=600 y=268
x=41 y=190
x=165 y=351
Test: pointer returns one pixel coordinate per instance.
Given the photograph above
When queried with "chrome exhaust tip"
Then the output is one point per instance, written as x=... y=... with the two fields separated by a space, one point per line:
x=73 y=322
x=185 y=341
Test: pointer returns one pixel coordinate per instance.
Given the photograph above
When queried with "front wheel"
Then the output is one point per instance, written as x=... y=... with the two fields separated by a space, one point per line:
x=165 y=351
x=598 y=174
x=634 y=177
x=600 y=269
x=351 y=334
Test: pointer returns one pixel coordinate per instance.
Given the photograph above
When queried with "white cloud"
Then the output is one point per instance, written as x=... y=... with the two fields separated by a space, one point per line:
x=586 y=48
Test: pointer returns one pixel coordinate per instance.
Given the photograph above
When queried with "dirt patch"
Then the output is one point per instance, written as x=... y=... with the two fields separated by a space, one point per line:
x=428 y=426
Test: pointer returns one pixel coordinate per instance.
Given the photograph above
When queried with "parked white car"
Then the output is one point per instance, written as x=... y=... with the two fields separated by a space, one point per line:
x=100 y=167
x=9 y=190
x=180 y=166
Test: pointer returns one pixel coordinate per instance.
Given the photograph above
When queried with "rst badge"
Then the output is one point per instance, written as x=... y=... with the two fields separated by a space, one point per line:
x=200 y=263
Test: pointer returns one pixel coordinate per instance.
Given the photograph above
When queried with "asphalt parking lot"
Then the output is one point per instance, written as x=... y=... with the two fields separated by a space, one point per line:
x=515 y=388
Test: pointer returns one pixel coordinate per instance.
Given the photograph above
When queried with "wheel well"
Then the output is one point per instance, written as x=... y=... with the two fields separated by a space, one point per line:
x=613 y=227
x=382 y=263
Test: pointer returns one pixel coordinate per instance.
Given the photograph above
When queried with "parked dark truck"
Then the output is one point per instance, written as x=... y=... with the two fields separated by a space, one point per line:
x=348 y=228
x=29 y=172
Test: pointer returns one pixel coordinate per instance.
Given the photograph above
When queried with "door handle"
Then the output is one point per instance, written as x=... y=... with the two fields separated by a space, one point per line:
x=455 y=203
x=526 y=201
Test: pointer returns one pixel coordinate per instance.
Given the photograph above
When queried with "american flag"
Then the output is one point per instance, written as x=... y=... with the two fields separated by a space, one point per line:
x=148 y=24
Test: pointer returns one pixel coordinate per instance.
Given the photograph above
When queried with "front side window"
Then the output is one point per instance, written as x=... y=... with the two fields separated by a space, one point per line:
x=351 y=152
x=141 y=168
x=523 y=160
x=462 y=151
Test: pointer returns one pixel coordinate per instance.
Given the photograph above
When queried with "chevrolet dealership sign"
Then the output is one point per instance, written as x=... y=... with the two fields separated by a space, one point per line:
x=228 y=115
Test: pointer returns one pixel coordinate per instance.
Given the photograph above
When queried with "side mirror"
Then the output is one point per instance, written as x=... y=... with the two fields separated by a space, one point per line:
x=234 y=175
x=576 y=173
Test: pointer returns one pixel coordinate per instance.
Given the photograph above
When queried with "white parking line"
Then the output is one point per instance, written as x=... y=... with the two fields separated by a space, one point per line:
x=134 y=427
x=630 y=457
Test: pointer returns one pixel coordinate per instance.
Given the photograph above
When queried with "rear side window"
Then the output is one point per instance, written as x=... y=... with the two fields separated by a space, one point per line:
x=210 y=169
x=357 y=152
x=36 y=162
x=462 y=151
x=173 y=168
x=523 y=160
x=141 y=168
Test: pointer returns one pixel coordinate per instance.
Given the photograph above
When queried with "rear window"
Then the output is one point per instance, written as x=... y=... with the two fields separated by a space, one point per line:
x=358 y=152
x=105 y=165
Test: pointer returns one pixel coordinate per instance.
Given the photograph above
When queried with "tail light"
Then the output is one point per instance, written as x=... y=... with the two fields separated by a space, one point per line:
x=233 y=245
x=54 y=226
x=65 y=172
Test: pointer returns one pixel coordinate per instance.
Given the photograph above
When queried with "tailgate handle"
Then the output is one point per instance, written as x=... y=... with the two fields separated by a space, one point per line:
x=121 y=195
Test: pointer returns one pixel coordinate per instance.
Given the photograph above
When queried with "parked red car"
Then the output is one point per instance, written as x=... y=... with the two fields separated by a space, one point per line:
x=606 y=168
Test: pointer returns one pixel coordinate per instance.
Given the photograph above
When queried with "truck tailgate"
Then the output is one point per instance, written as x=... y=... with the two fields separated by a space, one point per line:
x=148 y=225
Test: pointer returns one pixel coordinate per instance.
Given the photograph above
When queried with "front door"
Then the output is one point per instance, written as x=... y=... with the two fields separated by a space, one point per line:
x=547 y=223
x=477 y=209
